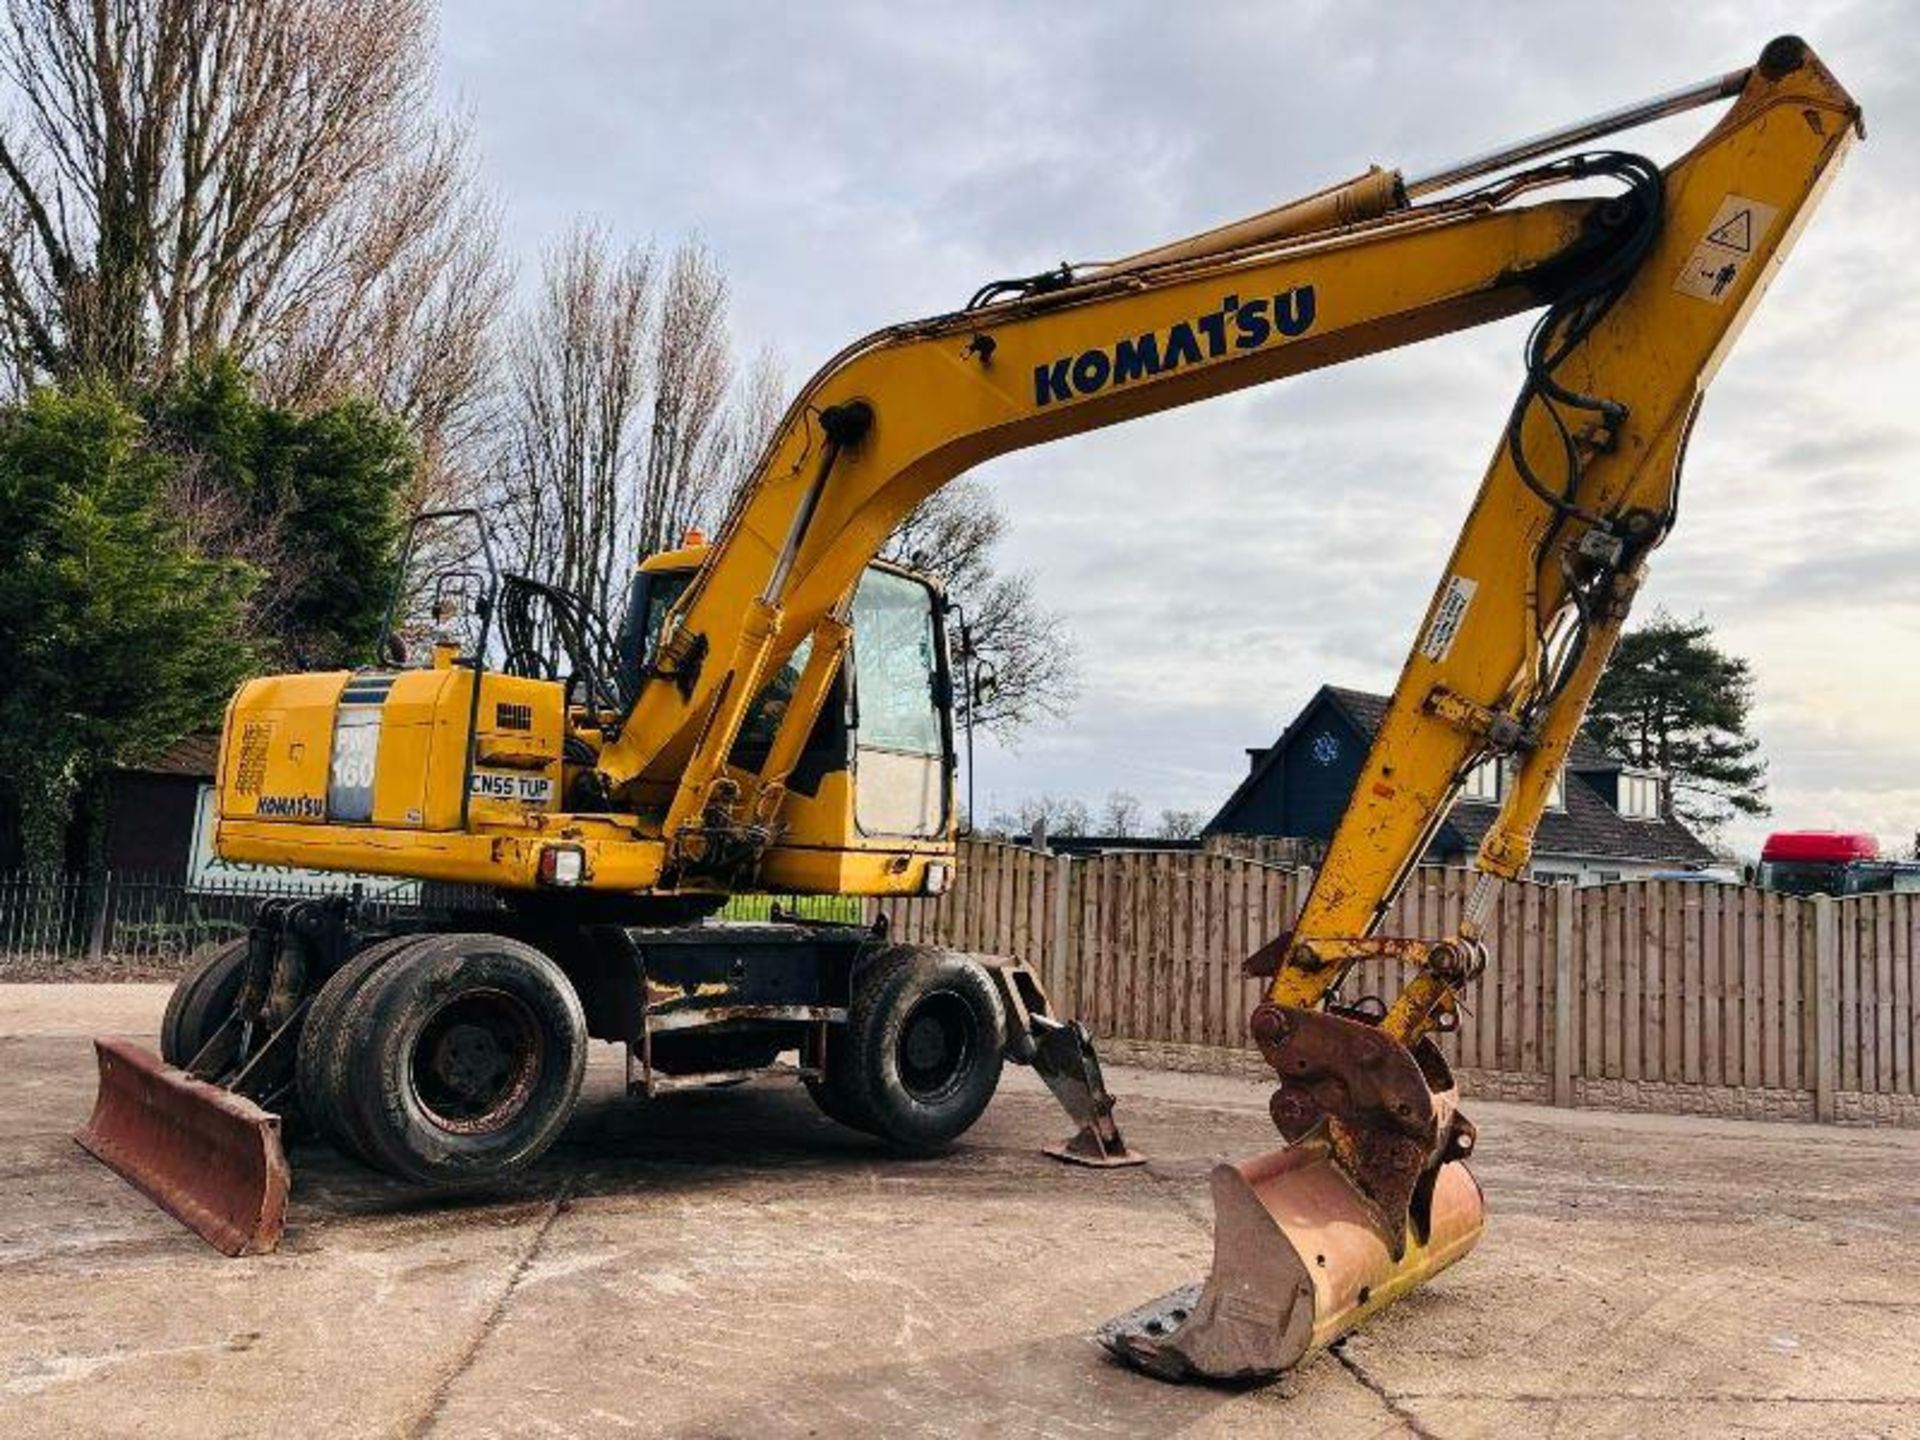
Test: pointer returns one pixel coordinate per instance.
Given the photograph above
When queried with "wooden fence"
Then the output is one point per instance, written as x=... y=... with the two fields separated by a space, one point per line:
x=1661 y=994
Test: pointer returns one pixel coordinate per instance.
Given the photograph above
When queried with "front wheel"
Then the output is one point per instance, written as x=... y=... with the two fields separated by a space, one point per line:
x=467 y=1057
x=922 y=1048
x=202 y=1001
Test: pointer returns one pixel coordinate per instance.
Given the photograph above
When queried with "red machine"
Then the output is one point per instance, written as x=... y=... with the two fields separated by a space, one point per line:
x=1831 y=862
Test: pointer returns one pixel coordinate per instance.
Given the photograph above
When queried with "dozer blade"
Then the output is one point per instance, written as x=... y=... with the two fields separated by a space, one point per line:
x=1297 y=1262
x=208 y=1157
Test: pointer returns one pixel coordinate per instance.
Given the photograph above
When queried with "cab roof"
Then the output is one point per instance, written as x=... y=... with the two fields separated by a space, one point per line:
x=692 y=556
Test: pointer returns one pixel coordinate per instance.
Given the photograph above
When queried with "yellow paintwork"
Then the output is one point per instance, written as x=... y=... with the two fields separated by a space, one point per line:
x=1656 y=350
x=1352 y=270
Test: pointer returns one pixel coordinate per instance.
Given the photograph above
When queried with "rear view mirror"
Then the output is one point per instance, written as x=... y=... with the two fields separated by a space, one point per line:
x=453 y=596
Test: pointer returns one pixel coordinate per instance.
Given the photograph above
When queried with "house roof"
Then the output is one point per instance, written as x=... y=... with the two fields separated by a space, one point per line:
x=1369 y=712
x=194 y=756
x=1588 y=826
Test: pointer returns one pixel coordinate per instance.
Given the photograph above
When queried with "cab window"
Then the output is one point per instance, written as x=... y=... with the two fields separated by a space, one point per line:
x=896 y=666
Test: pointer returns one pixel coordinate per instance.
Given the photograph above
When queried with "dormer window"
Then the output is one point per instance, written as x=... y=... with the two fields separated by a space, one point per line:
x=1639 y=795
x=1487 y=783
x=1483 y=785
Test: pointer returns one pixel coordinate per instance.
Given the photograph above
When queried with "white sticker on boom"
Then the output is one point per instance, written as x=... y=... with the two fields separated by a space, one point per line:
x=1734 y=233
x=1447 y=617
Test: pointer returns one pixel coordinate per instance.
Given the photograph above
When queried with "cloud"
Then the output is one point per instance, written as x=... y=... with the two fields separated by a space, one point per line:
x=858 y=164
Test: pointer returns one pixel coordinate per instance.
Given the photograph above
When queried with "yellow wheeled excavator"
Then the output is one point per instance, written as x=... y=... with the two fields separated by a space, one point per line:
x=775 y=713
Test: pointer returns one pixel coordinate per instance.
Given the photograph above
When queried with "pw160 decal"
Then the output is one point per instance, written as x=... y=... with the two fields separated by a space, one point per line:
x=1237 y=325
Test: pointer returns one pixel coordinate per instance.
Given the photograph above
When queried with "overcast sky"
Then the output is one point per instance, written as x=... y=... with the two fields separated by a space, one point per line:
x=858 y=164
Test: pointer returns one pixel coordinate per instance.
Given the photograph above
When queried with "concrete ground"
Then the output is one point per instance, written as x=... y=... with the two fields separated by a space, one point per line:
x=729 y=1263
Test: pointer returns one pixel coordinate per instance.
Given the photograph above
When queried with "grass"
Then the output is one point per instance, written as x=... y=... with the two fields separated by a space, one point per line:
x=842 y=908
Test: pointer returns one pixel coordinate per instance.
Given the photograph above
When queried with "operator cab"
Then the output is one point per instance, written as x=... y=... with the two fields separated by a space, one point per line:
x=888 y=717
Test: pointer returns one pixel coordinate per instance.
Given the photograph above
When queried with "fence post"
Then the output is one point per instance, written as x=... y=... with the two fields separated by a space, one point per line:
x=1826 y=983
x=97 y=931
x=1563 y=900
x=1062 y=978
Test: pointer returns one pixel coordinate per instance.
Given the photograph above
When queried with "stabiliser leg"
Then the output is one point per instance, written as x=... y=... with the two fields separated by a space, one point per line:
x=1063 y=1057
x=1061 y=1054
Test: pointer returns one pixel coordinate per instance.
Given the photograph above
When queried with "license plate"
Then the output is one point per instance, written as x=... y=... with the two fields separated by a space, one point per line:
x=511 y=787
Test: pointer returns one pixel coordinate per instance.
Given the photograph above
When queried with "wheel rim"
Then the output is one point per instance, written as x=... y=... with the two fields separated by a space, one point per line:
x=936 y=1047
x=476 y=1061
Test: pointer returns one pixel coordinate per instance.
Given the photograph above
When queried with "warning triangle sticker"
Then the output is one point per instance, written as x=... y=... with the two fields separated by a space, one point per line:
x=1736 y=233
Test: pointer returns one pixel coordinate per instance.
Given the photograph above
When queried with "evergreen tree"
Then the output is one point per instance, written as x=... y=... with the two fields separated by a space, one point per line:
x=1673 y=701
x=314 y=499
x=117 y=636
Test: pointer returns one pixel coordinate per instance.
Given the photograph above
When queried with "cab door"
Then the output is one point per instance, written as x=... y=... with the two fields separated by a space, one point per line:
x=902 y=730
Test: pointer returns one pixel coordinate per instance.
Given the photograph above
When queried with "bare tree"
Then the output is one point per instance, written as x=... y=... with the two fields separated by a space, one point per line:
x=620 y=429
x=576 y=385
x=1180 y=824
x=692 y=367
x=268 y=178
x=1059 y=814
x=1024 y=648
x=737 y=442
x=1120 y=815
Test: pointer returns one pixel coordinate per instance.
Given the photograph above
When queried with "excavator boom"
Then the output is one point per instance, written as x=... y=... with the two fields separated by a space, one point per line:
x=1644 y=289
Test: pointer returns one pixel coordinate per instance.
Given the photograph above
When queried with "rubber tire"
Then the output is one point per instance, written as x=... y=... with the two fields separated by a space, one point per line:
x=201 y=1001
x=833 y=1095
x=325 y=1052
x=382 y=1021
x=885 y=995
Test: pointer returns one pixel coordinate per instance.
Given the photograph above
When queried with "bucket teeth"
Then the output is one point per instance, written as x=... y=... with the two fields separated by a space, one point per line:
x=1140 y=1336
x=208 y=1157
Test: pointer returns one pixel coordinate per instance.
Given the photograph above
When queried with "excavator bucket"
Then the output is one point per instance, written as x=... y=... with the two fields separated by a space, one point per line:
x=1298 y=1260
x=208 y=1157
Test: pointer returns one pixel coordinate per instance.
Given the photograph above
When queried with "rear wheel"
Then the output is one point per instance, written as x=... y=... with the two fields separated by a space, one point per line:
x=326 y=1052
x=923 y=1048
x=465 y=1056
x=201 y=1001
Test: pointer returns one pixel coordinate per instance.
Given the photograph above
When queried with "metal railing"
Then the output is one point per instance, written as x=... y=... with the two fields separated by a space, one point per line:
x=121 y=921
